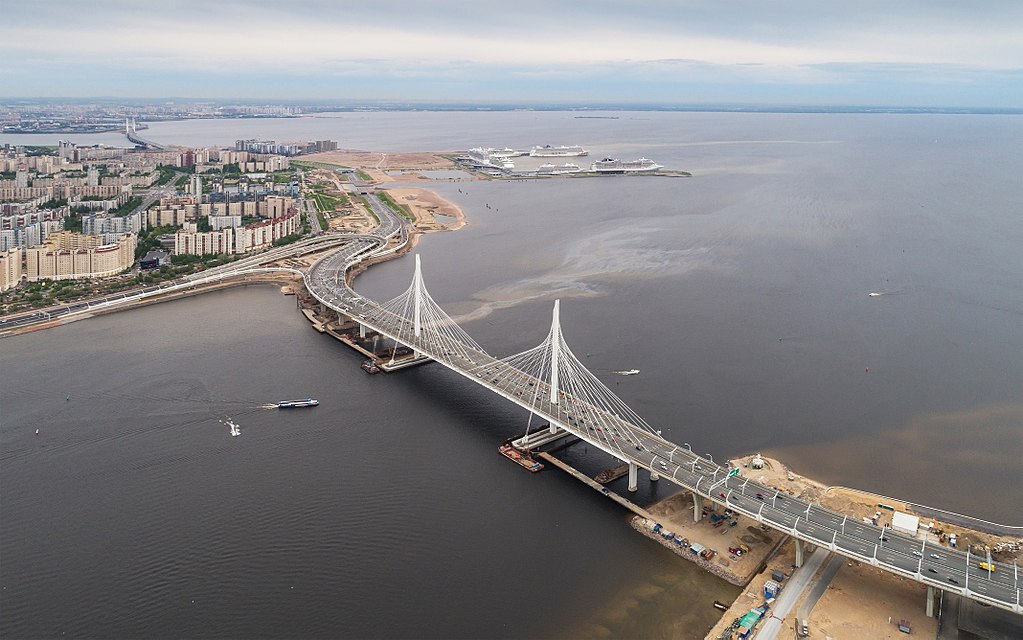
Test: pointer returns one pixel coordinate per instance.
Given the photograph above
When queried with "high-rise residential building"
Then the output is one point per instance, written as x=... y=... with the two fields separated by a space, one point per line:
x=101 y=224
x=236 y=239
x=10 y=268
x=195 y=186
x=70 y=256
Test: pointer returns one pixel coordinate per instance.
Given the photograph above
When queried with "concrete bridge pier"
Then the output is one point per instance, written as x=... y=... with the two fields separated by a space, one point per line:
x=802 y=549
x=929 y=606
x=362 y=330
x=697 y=507
x=654 y=477
x=537 y=438
x=633 y=476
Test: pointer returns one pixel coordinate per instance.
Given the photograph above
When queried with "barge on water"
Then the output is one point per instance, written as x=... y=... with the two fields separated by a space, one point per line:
x=524 y=460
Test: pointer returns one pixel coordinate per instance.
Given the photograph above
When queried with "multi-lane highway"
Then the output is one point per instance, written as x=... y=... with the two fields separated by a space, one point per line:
x=126 y=298
x=931 y=564
x=937 y=566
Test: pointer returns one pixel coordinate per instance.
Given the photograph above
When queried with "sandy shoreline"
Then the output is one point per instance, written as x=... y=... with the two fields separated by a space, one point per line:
x=425 y=205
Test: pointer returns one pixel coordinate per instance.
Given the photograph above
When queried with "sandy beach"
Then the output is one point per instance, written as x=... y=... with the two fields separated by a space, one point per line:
x=431 y=212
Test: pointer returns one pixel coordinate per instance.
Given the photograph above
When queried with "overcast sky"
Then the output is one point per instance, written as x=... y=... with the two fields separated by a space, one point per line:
x=912 y=53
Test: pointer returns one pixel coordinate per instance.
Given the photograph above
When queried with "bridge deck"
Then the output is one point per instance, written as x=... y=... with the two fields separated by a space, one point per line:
x=945 y=568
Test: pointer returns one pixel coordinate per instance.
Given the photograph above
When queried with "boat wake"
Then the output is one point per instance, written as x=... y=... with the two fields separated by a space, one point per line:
x=877 y=294
x=235 y=429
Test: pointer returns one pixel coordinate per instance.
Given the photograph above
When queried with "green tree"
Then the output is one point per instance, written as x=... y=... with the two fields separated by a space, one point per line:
x=73 y=222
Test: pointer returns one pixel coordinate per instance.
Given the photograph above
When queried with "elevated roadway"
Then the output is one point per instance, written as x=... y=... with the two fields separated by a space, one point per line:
x=935 y=566
x=938 y=567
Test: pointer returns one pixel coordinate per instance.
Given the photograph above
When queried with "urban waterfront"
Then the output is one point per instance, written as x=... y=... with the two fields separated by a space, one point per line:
x=740 y=294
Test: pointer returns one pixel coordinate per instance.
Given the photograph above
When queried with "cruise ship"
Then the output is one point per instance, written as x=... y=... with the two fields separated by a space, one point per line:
x=556 y=170
x=611 y=165
x=487 y=157
x=506 y=153
x=547 y=151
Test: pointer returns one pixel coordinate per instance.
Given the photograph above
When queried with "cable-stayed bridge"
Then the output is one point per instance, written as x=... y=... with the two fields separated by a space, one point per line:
x=131 y=132
x=553 y=385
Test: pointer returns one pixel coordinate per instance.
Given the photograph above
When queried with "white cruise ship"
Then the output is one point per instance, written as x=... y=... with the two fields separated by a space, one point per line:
x=555 y=170
x=487 y=157
x=506 y=153
x=547 y=151
x=611 y=165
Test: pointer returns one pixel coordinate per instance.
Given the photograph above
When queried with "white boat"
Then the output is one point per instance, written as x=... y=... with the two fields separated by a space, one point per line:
x=506 y=153
x=547 y=151
x=235 y=431
x=297 y=404
x=549 y=169
x=628 y=372
x=487 y=157
x=613 y=165
x=875 y=294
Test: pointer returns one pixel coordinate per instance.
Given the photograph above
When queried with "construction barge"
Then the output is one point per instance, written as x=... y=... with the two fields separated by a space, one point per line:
x=523 y=459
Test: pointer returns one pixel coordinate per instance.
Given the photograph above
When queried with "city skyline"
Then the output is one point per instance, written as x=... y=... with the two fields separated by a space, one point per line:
x=801 y=53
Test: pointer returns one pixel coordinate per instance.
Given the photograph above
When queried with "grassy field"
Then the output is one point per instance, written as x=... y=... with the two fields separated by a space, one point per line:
x=397 y=208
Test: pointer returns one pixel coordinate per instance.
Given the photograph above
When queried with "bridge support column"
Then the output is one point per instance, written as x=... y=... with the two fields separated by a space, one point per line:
x=929 y=607
x=697 y=507
x=362 y=330
x=799 y=553
x=653 y=476
x=633 y=476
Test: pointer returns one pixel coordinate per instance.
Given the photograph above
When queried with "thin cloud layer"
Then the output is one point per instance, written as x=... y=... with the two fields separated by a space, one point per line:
x=497 y=52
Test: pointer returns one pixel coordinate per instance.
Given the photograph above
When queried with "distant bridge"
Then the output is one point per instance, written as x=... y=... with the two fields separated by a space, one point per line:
x=130 y=132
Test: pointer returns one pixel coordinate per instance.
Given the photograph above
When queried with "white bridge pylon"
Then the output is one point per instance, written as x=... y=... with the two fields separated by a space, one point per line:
x=422 y=323
x=548 y=380
x=560 y=385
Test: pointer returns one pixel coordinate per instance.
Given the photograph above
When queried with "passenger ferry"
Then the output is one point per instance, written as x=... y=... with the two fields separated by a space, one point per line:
x=297 y=404
x=547 y=151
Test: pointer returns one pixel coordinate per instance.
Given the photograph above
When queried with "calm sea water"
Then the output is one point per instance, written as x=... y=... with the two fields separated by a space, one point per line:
x=740 y=294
